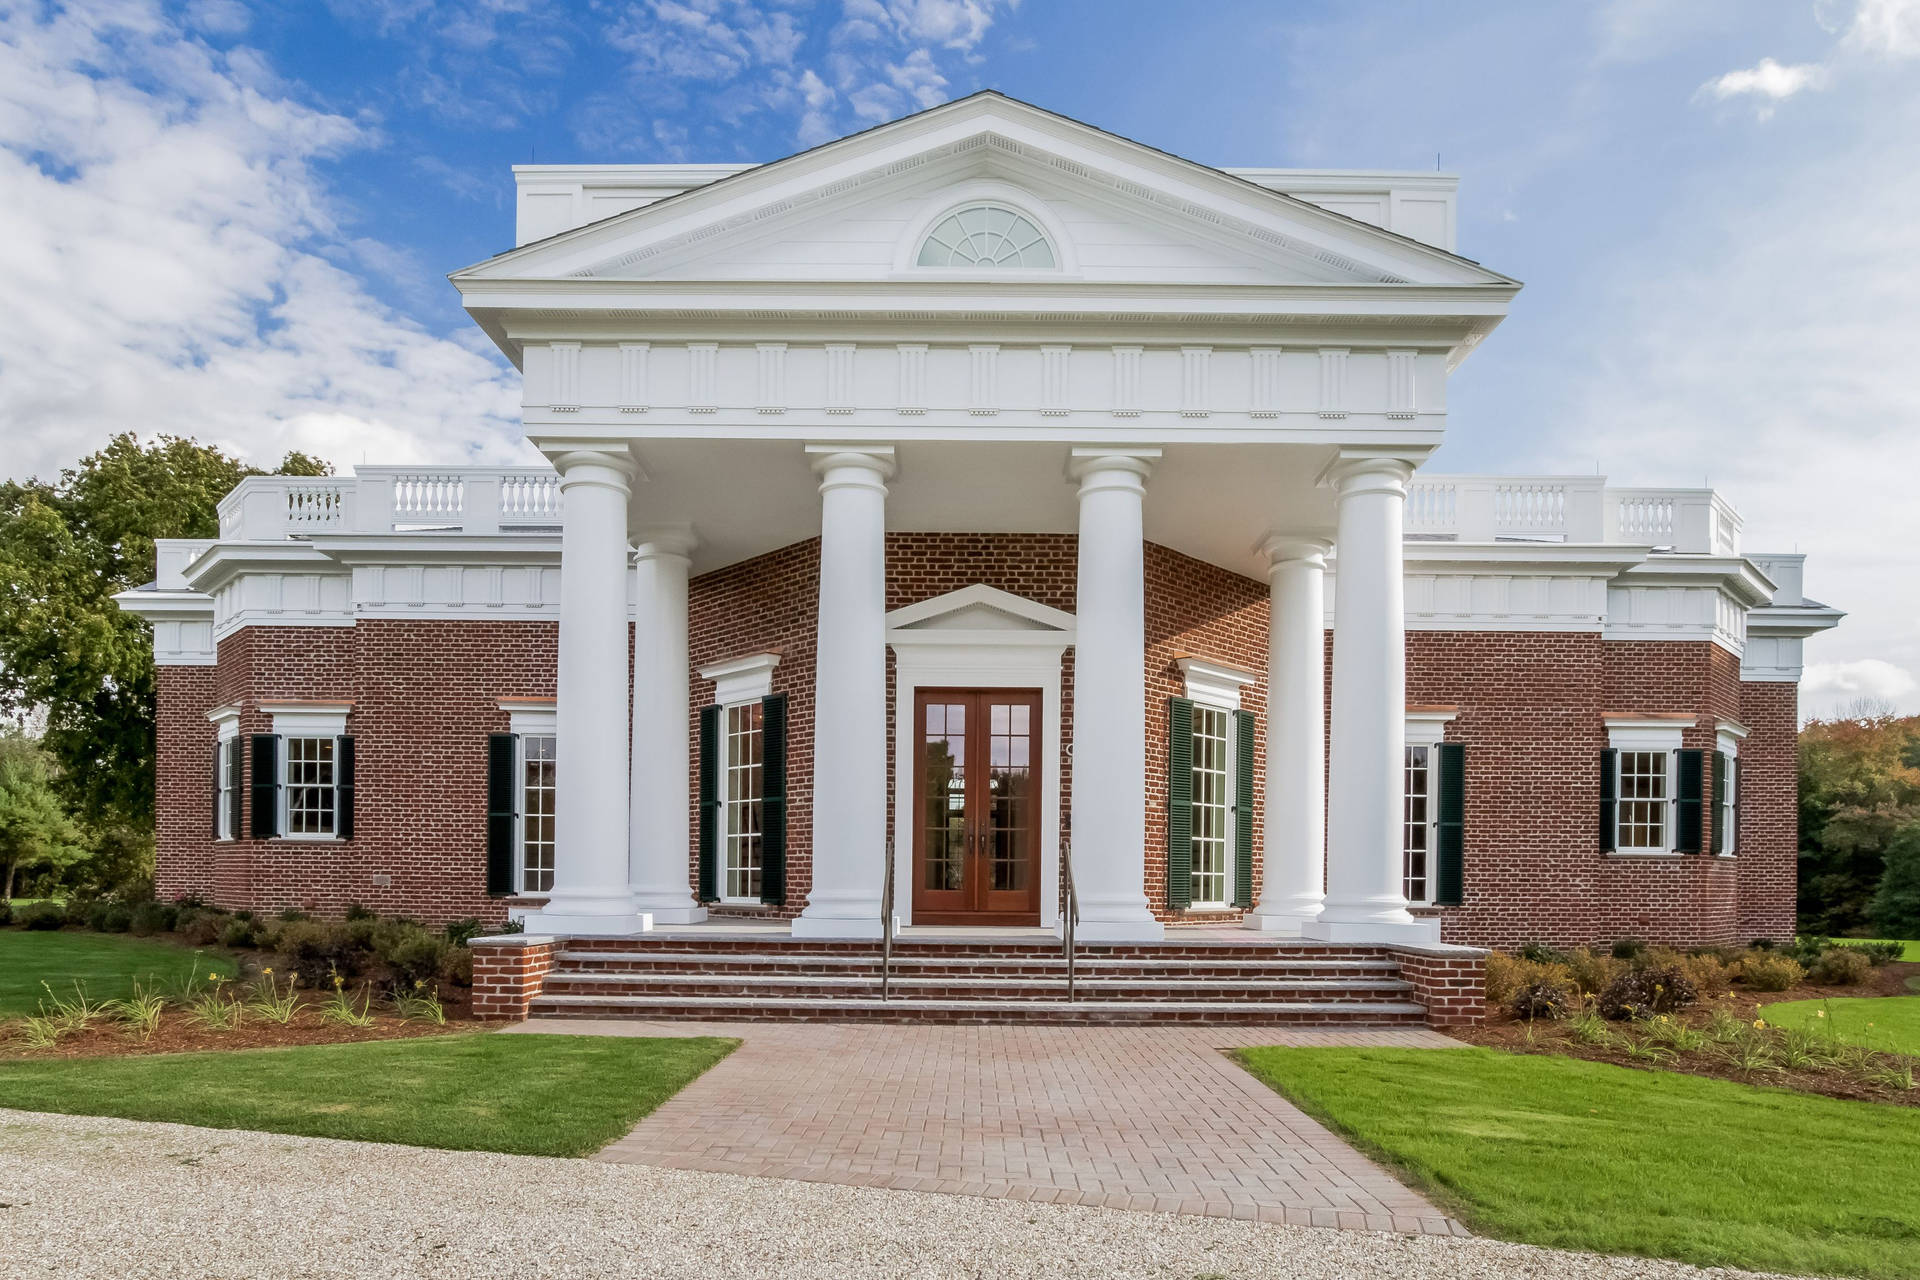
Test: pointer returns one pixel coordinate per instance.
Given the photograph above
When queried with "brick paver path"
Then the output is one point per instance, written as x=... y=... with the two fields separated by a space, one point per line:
x=1146 y=1118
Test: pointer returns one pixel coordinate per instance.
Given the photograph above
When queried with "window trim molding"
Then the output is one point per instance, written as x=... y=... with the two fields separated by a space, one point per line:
x=226 y=730
x=1426 y=727
x=535 y=716
x=741 y=680
x=950 y=200
x=308 y=720
x=1229 y=773
x=1213 y=684
x=540 y=724
x=1727 y=737
x=1635 y=732
x=723 y=763
x=286 y=790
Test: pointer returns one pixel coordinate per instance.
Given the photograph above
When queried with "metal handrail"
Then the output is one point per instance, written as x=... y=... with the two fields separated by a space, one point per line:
x=1072 y=916
x=886 y=926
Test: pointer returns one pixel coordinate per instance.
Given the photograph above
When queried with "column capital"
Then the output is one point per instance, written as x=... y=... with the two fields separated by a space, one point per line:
x=1361 y=470
x=596 y=463
x=1106 y=468
x=1292 y=548
x=860 y=465
x=663 y=541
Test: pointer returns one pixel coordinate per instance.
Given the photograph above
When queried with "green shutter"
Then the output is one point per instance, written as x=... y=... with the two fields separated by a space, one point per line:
x=502 y=791
x=234 y=794
x=773 y=799
x=1179 y=803
x=343 y=787
x=1243 y=809
x=1688 y=811
x=709 y=804
x=266 y=786
x=1609 y=769
x=1450 y=824
x=1719 y=801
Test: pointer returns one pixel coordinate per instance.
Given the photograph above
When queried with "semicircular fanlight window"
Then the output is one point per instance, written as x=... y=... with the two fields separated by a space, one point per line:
x=986 y=235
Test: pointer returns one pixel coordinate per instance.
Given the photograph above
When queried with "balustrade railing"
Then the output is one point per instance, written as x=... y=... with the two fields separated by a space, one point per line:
x=386 y=499
x=428 y=496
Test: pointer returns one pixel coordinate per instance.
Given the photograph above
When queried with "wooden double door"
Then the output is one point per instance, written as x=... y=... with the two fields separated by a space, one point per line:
x=976 y=837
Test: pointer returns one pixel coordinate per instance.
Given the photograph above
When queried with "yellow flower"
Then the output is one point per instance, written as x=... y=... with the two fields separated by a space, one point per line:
x=1759 y=1022
x=1819 y=1013
x=266 y=973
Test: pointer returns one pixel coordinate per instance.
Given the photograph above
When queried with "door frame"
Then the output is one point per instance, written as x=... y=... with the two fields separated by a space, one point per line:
x=978 y=638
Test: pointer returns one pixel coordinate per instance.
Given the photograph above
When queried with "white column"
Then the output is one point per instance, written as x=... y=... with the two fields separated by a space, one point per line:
x=1294 y=844
x=1108 y=840
x=590 y=884
x=850 y=695
x=1366 y=777
x=659 y=795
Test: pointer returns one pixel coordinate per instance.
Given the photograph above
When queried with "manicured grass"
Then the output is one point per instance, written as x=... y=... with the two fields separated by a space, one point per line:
x=106 y=964
x=1584 y=1155
x=526 y=1094
x=1879 y=1022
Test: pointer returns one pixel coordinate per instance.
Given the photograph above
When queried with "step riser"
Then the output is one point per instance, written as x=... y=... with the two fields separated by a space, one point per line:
x=1081 y=1015
x=1137 y=973
x=995 y=950
x=741 y=991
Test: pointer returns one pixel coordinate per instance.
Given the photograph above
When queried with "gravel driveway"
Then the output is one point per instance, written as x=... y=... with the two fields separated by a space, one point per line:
x=81 y=1196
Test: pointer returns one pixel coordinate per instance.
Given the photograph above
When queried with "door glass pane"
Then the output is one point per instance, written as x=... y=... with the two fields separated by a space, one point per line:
x=944 y=786
x=1010 y=801
x=1415 y=826
x=745 y=788
x=1210 y=807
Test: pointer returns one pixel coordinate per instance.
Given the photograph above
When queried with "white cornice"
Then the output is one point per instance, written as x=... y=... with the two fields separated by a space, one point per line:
x=434 y=547
x=1793 y=621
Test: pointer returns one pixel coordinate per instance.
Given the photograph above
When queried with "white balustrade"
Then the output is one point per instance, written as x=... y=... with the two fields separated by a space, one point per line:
x=530 y=497
x=1432 y=507
x=428 y=496
x=386 y=499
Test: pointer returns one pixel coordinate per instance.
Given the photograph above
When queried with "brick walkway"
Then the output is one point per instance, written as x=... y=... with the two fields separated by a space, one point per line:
x=1145 y=1118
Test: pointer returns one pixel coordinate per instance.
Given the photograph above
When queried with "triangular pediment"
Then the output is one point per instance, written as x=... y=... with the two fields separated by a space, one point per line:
x=980 y=608
x=854 y=210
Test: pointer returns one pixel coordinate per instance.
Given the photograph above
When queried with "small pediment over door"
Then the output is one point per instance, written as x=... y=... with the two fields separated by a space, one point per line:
x=978 y=610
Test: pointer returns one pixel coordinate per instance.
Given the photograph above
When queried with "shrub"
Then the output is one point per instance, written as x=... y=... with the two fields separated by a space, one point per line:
x=293 y=915
x=1628 y=949
x=361 y=933
x=1761 y=944
x=357 y=912
x=1646 y=991
x=1896 y=904
x=41 y=915
x=239 y=933
x=311 y=949
x=1710 y=975
x=1542 y=1000
x=6 y=912
x=1808 y=947
x=200 y=926
x=107 y=916
x=1763 y=971
x=461 y=932
x=1541 y=953
x=1879 y=953
x=413 y=955
x=150 y=918
x=1840 y=967
x=1506 y=975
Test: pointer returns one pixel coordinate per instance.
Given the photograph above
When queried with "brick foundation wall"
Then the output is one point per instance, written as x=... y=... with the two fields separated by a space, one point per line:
x=1449 y=981
x=507 y=975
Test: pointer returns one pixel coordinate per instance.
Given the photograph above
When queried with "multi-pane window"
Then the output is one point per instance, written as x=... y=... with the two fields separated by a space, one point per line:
x=537 y=754
x=1212 y=810
x=1729 y=806
x=1417 y=825
x=227 y=779
x=309 y=786
x=1644 y=793
x=742 y=783
x=986 y=235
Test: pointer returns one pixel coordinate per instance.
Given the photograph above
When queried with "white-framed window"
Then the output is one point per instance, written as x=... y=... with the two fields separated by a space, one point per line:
x=307 y=778
x=987 y=234
x=534 y=757
x=227 y=781
x=1213 y=815
x=1726 y=787
x=1646 y=783
x=742 y=790
x=1420 y=810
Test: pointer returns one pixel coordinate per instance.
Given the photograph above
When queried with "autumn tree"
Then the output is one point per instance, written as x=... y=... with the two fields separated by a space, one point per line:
x=1859 y=789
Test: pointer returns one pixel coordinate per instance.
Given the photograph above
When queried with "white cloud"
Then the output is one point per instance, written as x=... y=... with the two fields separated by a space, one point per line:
x=1767 y=80
x=1830 y=687
x=1886 y=28
x=165 y=242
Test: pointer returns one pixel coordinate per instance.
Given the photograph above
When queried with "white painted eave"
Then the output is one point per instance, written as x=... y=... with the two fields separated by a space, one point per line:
x=438 y=548
x=177 y=606
x=1793 y=622
x=1736 y=575
x=218 y=564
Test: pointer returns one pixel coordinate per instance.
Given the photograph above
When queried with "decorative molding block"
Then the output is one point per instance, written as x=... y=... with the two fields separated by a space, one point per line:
x=840 y=377
x=1195 y=396
x=913 y=377
x=1400 y=383
x=633 y=377
x=1266 y=382
x=1333 y=382
x=566 y=377
x=1054 y=366
x=1126 y=382
x=773 y=377
x=703 y=359
x=985 y=397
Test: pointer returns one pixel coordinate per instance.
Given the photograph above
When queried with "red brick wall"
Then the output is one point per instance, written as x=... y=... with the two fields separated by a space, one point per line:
x=183 y=804
x=507 y=974
x=1767 y=850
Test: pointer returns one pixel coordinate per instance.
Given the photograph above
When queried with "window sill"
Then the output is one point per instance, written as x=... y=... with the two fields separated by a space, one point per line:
x=318 y=839
x=1645 y=853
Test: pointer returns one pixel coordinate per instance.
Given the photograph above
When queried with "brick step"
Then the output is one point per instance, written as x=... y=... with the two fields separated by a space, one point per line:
x=784 y=986
x=1051 y=966
x=989 y=948
x=911 y=1009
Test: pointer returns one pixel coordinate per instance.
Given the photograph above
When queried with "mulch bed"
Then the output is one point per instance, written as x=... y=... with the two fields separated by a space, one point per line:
x=178 y=1034
x=1503 y=1031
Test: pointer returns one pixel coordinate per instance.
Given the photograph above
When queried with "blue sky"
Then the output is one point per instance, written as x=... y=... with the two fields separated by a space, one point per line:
x=234 y=220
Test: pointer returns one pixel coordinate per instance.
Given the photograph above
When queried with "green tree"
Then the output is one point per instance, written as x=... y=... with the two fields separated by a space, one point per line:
x=1859 y=786
x=65 y=549
x=1896 y=907
x=35 y=831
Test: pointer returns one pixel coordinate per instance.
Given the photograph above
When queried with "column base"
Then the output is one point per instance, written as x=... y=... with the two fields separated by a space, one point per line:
x=857 y=918
x=668 y=910
x=1281 y=924
x=1411 y=930
x=1147 y=930
x=625 y=925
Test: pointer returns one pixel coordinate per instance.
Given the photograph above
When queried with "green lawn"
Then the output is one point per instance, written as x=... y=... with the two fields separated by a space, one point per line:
x=1583 y=1155
x=1879 y=1022
x=526 y=1094
x=107 y=964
